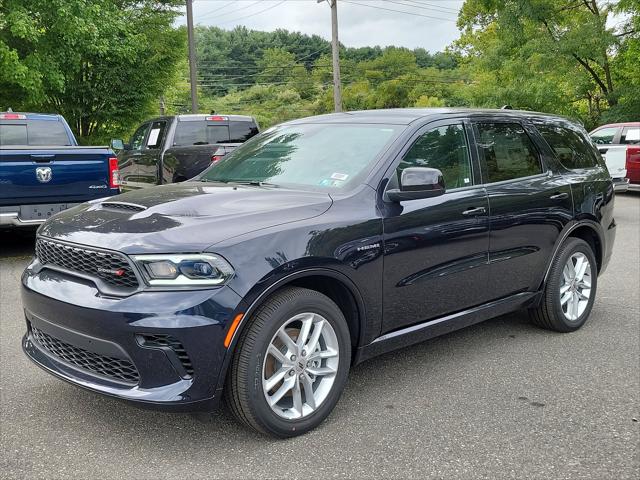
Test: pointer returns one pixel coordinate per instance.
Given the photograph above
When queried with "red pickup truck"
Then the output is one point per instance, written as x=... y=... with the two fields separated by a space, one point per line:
x=619 y=144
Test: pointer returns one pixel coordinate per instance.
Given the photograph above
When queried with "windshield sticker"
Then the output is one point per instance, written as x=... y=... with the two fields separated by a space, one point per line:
x=339 y=176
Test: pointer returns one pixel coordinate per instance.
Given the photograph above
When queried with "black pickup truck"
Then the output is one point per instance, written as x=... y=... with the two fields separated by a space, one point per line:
x=175 y=148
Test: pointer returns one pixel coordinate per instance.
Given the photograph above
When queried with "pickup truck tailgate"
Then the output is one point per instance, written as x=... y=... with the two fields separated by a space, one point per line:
x=53 y=174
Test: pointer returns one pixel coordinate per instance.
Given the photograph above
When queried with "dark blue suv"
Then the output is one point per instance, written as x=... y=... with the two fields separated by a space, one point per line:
x=314 y=246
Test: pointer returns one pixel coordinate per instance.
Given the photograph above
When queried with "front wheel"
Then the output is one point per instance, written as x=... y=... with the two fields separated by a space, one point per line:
x=291 y=364
x=570 y=289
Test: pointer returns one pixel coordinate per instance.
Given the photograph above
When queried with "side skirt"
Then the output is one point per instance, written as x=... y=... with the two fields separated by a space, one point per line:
x=441 y=326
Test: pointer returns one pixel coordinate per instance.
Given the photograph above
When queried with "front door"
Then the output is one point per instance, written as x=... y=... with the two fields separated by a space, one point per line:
x=436 y=249
x=149 y=165
x=530 y=203
x=128 y=159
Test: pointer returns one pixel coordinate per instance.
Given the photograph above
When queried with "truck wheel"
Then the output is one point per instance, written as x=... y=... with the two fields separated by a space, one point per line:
x=291 y=364
x=570 y=289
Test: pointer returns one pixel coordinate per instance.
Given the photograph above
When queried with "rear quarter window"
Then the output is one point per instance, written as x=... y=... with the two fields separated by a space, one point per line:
x=571 y=147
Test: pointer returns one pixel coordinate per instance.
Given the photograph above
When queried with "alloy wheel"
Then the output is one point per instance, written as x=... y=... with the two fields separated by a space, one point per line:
x=300 y=366
x=576 y=286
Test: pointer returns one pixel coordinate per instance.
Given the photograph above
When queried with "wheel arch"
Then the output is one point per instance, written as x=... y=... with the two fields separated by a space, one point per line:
x=332 y=283
x=587 y=230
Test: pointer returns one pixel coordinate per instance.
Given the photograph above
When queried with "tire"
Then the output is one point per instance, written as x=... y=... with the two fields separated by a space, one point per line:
x=252 y=365
x=552 y=313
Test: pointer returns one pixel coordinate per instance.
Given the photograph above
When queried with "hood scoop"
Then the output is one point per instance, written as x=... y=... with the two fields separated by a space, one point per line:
x=123 y=206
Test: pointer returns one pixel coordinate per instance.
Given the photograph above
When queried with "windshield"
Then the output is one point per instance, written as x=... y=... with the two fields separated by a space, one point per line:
x=324 y=156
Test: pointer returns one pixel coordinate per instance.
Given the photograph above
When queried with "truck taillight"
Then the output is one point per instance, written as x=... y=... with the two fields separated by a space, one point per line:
x=114 y=173
x=216 y=158
x=633 y=155
x=216 y=118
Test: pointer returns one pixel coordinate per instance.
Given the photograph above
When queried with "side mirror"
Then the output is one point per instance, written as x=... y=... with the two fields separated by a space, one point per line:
x=416 y=183
x=117 y=144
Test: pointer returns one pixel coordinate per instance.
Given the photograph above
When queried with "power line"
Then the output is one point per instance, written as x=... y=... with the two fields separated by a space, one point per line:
x=208 y=14
x=423 y=7
x=254 y=14
x=399 y=11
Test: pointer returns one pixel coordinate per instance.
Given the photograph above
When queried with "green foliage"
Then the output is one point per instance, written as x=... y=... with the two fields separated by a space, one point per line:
x=103 y=64
x=550 y=55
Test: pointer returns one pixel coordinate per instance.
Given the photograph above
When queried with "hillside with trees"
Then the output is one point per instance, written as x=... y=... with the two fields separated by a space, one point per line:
x=108 y=64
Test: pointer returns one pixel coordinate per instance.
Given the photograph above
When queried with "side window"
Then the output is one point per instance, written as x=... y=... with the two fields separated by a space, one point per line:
x=631 y=135
x=604 y=136
x=138 y=137
x=507 y=151
x=240 y=132
x=571 y=148
x=156 y=135
x=444 y=148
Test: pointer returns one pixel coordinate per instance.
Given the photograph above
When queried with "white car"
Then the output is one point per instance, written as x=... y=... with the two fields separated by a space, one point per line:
x=619 y=145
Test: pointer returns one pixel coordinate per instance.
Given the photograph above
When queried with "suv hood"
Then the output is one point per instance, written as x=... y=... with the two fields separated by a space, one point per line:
x=184 y=217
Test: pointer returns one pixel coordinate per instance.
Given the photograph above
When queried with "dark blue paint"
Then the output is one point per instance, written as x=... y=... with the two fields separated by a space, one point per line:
x=415 y=269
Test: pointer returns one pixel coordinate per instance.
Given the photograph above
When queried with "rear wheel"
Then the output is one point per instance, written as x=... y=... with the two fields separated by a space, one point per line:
x=570 y=289
x=291 y=364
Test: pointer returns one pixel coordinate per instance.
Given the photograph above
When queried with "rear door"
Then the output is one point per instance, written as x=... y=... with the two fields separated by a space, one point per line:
x=436 y=249
x=631 y=139
x=529 y=199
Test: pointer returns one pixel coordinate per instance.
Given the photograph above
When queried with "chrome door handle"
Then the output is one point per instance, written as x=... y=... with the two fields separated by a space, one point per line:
x=475 y=211
x=559 y=196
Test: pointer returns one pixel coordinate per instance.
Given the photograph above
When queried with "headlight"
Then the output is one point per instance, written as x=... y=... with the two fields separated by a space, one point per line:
x=184 y=270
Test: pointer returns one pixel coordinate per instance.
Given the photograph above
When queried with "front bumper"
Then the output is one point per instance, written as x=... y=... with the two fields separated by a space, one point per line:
x=159 y=349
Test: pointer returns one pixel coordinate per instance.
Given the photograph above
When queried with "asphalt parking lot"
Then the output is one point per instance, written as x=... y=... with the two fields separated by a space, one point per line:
x=502 y=399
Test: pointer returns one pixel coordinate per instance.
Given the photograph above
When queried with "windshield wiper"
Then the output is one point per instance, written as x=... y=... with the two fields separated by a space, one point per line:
x=256 y=183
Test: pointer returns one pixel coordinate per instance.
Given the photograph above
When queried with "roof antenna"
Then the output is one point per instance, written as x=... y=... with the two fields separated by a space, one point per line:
x=506 y=107
x=213 y=112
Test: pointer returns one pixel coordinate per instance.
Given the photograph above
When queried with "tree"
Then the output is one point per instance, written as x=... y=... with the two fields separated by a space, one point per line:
x=529 y=49
x=103 y=64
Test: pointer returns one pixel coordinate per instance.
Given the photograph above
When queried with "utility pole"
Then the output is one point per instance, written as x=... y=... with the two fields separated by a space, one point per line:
x=192 y=58
x=335 y=54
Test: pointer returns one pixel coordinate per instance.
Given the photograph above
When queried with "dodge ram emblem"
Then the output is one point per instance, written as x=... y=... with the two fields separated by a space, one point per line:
x=43 y=174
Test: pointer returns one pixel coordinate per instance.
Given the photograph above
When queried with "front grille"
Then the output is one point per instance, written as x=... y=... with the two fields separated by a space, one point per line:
x=152 y=340
x=130 y=207
x=112 y=268
x=111 y=367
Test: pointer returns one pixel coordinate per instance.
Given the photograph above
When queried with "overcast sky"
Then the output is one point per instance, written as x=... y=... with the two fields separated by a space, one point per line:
x=361 y=22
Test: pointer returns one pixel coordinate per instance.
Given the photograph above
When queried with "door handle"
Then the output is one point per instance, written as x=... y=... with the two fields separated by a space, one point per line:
x=475 y=211
x=559 y=196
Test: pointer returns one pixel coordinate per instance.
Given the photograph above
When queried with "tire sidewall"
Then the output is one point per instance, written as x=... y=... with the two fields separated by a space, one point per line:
x=574 y=246
x=262 y=412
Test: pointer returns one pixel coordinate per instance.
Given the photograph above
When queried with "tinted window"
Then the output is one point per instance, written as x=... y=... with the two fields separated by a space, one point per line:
x=240 y=132
x=138 y=137
x=156 y=134
x=571 y=148
x=604 y=136
x=508 y=151
x=34 y=132
x=200 y=133
x=444 y=148
x=13 y=134
x=631 y=135
x=321 y=156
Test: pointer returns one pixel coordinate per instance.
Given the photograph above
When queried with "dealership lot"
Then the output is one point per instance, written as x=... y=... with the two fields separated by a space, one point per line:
x=500 y=399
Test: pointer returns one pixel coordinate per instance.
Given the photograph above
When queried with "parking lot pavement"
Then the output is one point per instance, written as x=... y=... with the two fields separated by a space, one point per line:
x=502 y=399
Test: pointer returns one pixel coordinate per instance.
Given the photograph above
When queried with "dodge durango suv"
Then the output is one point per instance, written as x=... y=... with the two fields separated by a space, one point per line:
x=314 y=246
